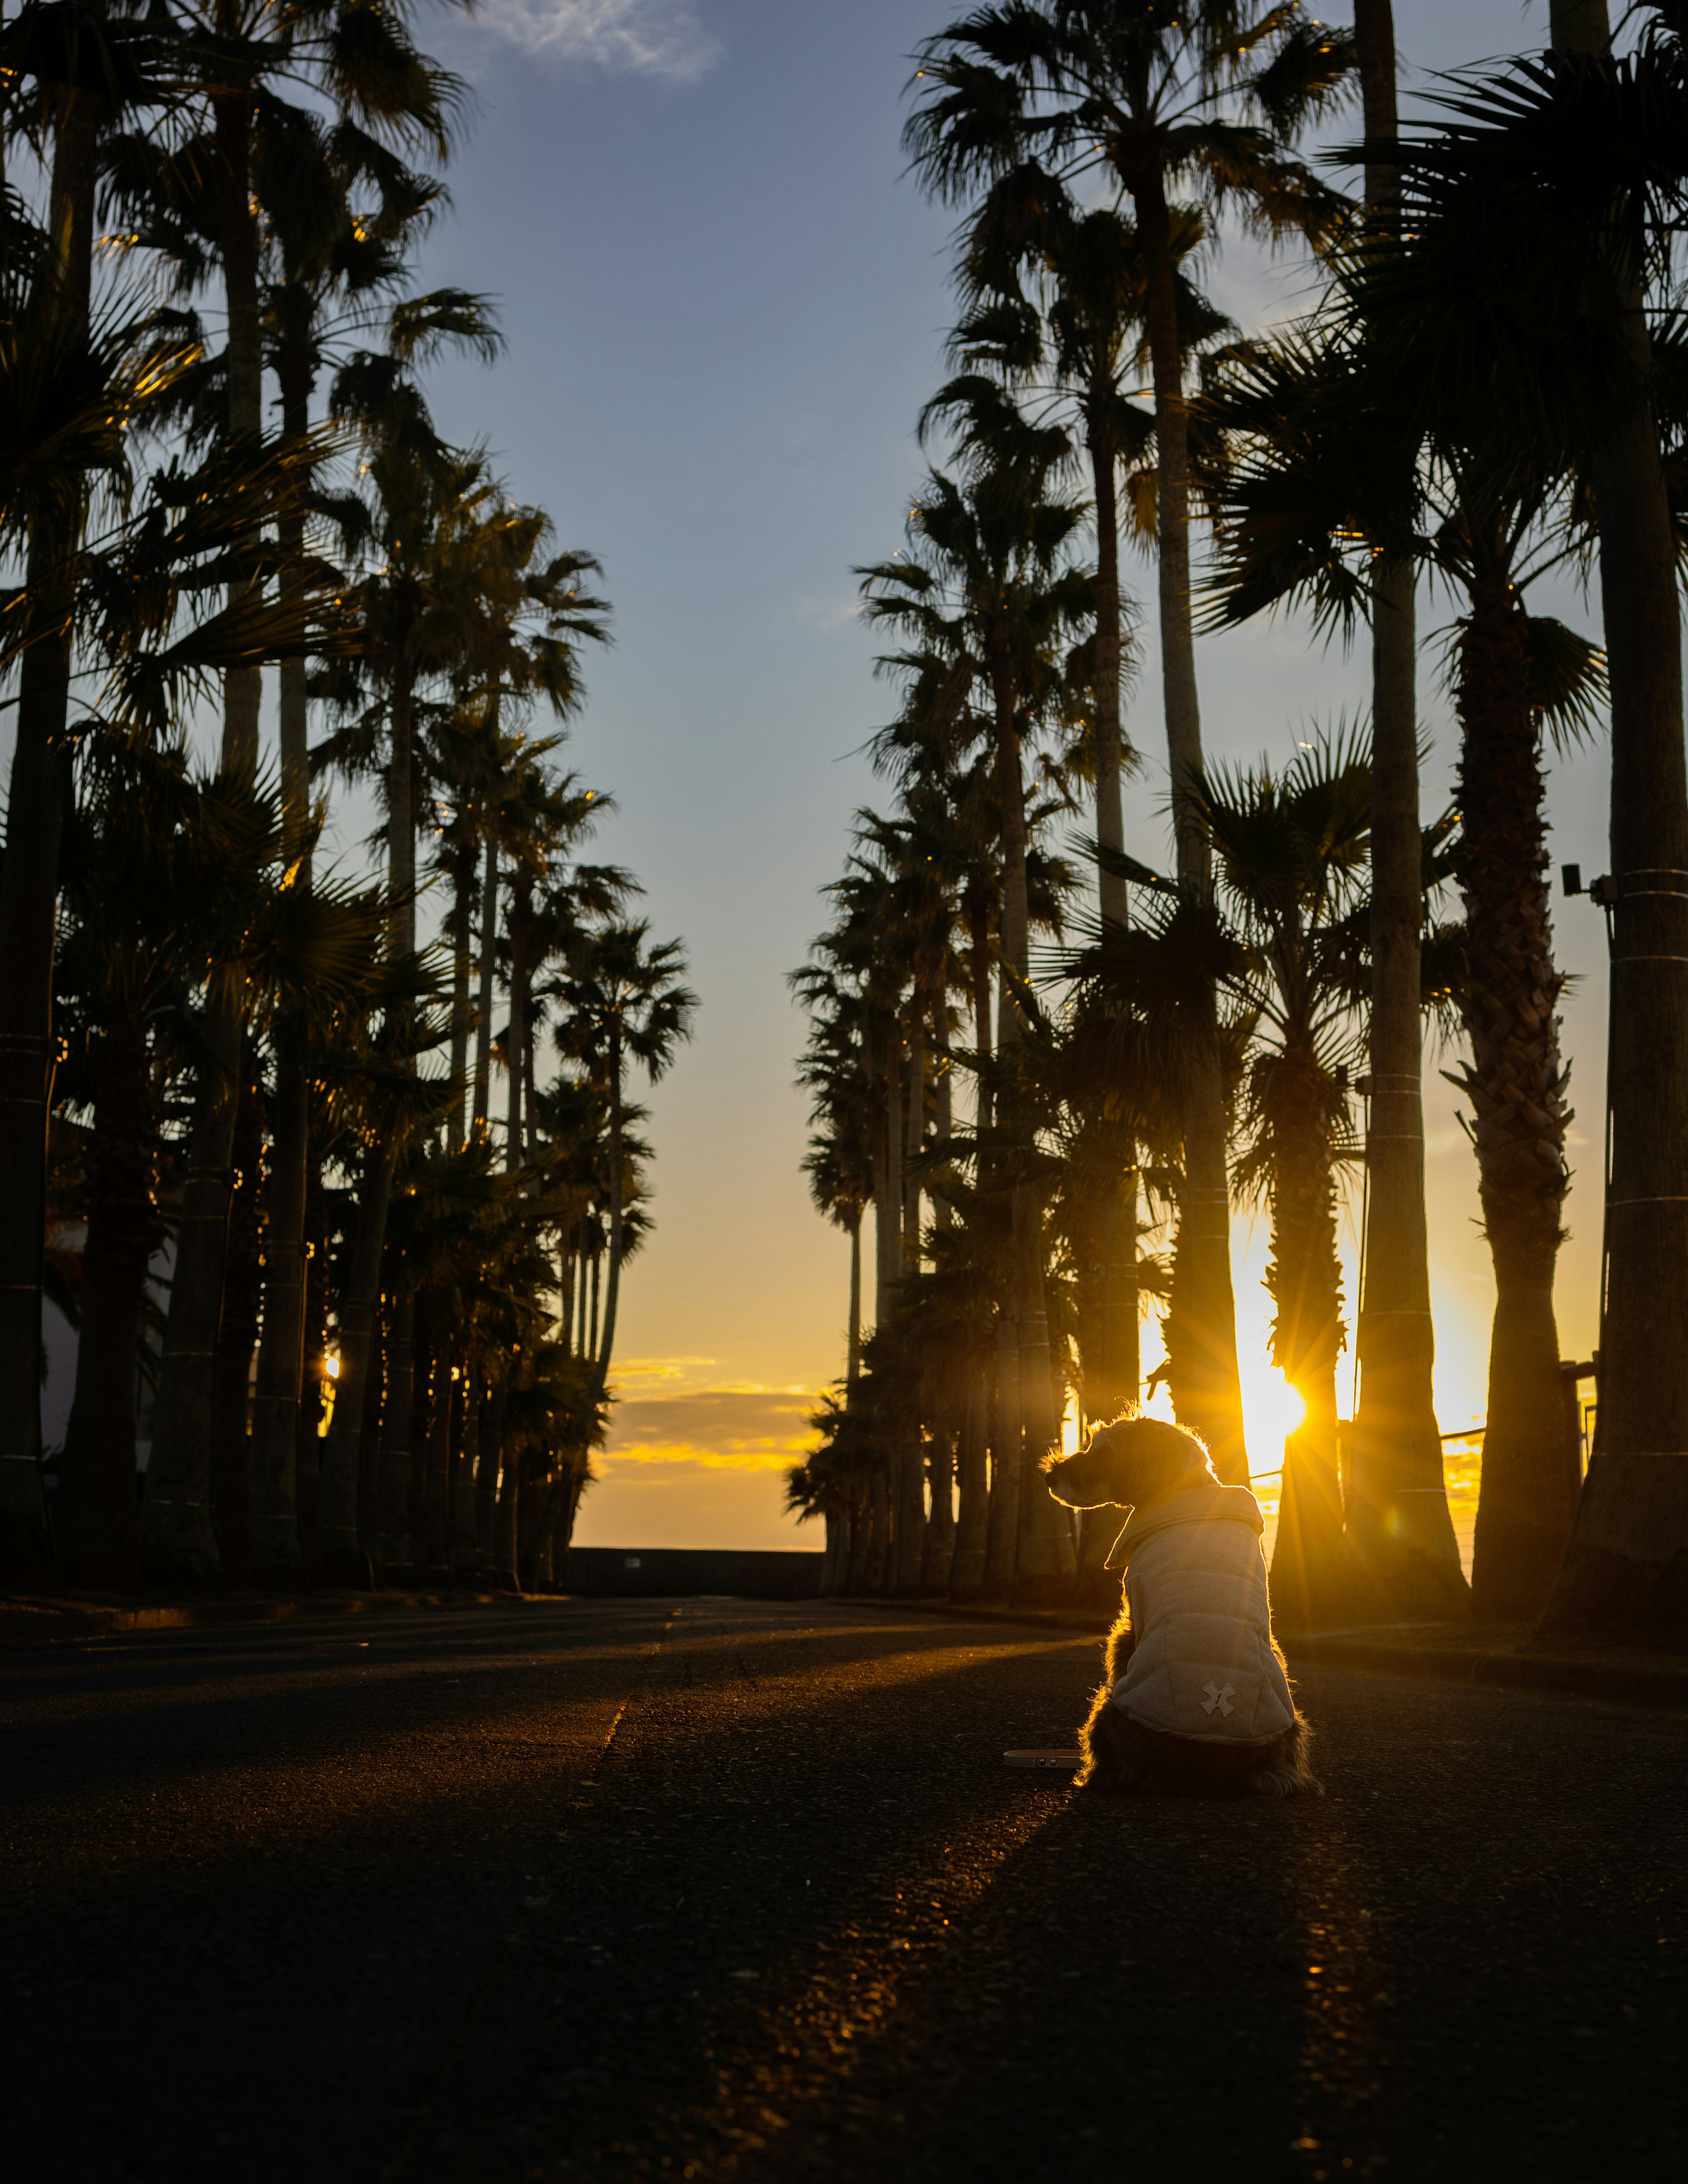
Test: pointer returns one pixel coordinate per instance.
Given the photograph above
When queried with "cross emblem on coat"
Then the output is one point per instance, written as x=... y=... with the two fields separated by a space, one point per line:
x=1216 y=1698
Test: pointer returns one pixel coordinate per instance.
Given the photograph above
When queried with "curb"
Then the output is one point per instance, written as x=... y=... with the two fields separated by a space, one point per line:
x=1629 y=1681
x=39 y=1620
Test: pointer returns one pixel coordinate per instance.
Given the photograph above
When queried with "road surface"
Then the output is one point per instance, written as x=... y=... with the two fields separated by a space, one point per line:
x=734 y=1890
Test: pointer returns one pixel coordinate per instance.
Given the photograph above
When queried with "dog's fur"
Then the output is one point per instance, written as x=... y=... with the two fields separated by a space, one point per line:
x=1133 y=1463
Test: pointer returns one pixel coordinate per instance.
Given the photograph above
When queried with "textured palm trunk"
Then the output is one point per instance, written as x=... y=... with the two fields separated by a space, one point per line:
x=435 y=1552
x=313 y=1380
x=179 y=1542
x=1201 y=1331
x=401 y=1545
x=488 y=1460
x=1626 y=1572
x=1305 y=1279
x=909 y=1485
x=853 y=1350
x=370 y=1442
x=345 y=1562
x=271 y=1504
x=878 y=1560
x=1109 y=739
x=38 y=795
x=972 y=1489
x=854 y=1581
x=462 y=918
x=98 y=1537
x=483 y=1010
x=516 y=1048
x=1403 y=1557
x=939 y=1552
x=1007 y=1446
x=1515 y=1085
x=281 y=1352
x=1114 y=1386
x=1043 y=1551
x=464 y=1539
x=833 y=1524
x=507 y=1528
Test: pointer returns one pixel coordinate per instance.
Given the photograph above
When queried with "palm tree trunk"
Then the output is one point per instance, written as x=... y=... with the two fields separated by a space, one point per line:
x=271 y=1500
x=878 y=1562
x=890 y=1227
x=97 y=1533
x=1111 y=888
x=484 y=1014
x=37 y=799
x=914 y=1136
x=972 y=1519
x=1622 y=1573
x=1007 y=1449
x=178 y=1544
x=515 y=1038
x=464 y=1539
x=370 y=1442
x=344 y=1560
x=853 y=1348
x=1305 y=1278
x=1515 y=1085
x=939 y=1550
x=401 y=1542
x=1044 y=1560
x=313 y=1388
x=1397 y=1522
x=434 y=1554
x=488 y=1457
x=1201 y=1333
x=461 y=920
x=276 y=1405
x=1402 y=1550
x=1118 y=1379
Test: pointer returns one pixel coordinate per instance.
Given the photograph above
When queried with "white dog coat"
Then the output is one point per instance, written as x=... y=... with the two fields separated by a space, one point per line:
x=1204 y=1665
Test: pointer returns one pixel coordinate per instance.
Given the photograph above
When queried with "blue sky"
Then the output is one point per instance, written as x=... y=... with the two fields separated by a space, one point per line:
x=724 y=307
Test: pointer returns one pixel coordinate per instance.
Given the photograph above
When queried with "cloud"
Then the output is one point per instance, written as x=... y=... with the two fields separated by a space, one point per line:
x=640 y=37
x=721 y=1429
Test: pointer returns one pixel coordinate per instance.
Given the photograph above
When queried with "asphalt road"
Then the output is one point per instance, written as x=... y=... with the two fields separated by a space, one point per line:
x=727 y=1890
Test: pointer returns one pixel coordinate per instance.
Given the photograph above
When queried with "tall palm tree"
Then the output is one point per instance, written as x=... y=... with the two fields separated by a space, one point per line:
x=69 y=389
x=1291 y=851
x=989 y=583
x=1201 y=105
x=626 y=1006
x=1619 y=174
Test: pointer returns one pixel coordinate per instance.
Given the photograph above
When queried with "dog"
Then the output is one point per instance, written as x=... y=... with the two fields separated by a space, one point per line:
x=1195 y=1701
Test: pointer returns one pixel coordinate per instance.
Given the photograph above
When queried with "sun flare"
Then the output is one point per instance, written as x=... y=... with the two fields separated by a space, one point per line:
x=1272 y=1411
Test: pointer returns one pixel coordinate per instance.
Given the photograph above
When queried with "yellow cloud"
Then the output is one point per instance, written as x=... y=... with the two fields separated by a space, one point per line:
x=722 y=1429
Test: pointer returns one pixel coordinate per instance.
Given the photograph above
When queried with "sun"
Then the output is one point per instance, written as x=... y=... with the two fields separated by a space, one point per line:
x=1272 y=1411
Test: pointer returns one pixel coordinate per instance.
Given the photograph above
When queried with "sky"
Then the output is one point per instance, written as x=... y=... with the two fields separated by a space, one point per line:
x=724 y=304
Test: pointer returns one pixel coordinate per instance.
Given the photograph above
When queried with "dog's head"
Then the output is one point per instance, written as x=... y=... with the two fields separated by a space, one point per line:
x=1132 y=1462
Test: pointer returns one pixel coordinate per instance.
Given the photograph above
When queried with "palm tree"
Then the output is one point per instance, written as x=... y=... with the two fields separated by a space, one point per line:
x=989 y=585
x=1200 y=106
x=69 y=390
x=194 y=200
x=1574 y=162
x=1290 y=851
x=625 y=1005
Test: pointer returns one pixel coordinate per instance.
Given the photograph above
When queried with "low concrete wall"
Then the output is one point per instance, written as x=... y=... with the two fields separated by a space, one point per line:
x=771 y=1574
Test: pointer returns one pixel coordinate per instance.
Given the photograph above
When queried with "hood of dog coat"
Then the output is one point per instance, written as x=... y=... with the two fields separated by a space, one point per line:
x=1204 y=1665
x=1200 y=1505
